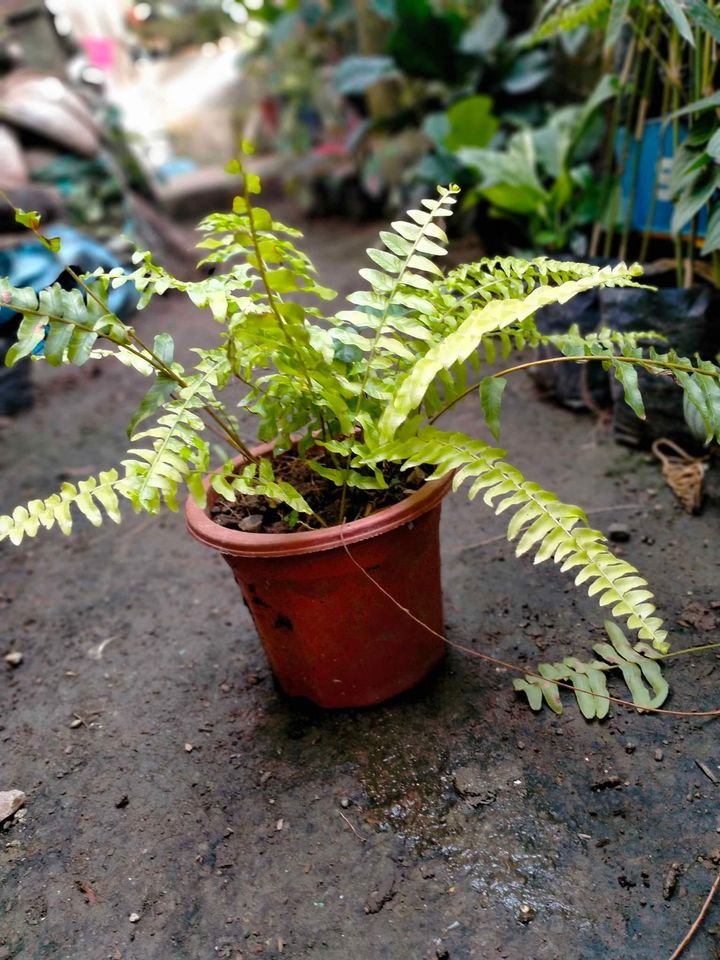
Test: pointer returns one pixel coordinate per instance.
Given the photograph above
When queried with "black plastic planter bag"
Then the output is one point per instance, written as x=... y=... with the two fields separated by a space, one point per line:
x=689 y=320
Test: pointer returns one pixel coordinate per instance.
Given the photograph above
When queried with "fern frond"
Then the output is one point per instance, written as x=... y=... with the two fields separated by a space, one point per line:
x=491 y=318
x=540 y=522
x=63 y=325
x=257 y=481
x=153 y=474
x=638 y=665
x=91 y=497
x=626 y=353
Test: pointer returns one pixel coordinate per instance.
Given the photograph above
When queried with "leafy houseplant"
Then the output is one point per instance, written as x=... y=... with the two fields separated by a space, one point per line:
x=354 y=398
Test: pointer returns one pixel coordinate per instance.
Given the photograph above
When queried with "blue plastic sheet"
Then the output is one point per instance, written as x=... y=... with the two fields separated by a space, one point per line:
x=33 y=265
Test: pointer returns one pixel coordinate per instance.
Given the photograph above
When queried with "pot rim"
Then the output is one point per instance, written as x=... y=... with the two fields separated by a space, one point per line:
x=239 y=544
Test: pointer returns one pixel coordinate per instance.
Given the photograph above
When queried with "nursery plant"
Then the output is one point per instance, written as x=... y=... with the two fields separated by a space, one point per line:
x=352 y=399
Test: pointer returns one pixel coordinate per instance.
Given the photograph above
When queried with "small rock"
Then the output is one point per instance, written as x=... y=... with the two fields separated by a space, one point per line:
x=13 y=659
x=629 y=747
x=10 y=801
x=619 y=532
x=671 y=880
x=658 y=755
x=122 y=802
x=252 y=524
x=188 y=748
x=344 y=803
x=134 y=917
x=525 y=913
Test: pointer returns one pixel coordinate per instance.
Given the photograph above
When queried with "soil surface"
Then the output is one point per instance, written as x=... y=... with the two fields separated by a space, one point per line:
x=252 y=514
x=180 y=808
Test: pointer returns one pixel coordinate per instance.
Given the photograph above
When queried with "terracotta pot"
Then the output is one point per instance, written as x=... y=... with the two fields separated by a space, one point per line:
x=329 y=633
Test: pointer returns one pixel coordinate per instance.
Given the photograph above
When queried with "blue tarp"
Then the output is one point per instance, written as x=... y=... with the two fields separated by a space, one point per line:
x=33 y=265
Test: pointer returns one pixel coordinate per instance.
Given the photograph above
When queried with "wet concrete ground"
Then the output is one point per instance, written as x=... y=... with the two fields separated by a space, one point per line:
x=452 y=823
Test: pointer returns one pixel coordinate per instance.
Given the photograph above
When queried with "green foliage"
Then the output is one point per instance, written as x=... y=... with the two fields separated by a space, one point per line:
x=544 y=525
x=639 y=667
x=542 y=176
x=367 y=383
x=665 y=33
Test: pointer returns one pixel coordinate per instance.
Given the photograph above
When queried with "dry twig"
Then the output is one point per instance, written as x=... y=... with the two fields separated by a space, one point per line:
x=698 y=920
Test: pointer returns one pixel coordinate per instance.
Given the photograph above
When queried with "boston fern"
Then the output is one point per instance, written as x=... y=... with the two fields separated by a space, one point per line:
x=367 y=384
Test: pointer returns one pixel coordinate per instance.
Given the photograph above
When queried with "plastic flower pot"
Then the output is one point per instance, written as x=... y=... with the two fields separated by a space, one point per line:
x=329 y=633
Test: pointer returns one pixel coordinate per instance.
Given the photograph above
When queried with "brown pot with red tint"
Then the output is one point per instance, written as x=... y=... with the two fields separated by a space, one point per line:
x=329 y=633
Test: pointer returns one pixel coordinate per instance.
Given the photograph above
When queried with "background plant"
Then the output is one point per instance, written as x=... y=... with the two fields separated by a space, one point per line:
x=664 y=55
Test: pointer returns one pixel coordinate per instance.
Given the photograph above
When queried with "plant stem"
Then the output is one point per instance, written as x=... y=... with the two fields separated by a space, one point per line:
x=680 y=653
x=643 y=105
x=632 y=66
x=640 y=361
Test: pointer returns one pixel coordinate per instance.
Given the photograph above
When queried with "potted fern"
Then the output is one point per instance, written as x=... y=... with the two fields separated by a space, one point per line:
x=330 y=525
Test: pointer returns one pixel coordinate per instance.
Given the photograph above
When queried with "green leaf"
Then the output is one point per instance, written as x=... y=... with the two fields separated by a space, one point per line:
x=628 y=377
x=694 y=198
x=697 y=106
x=491 y=393
x=155 y=398
x=676 y=13
x=28 y=218
x=458 y=345
x=712 y=233
x=616 y=19
x=57 y=342
x=704 y=17
x=472 y=123
x=164 y=348
x=713 y=146
x=30 y=333
x=356 y=74
x=252 y=183
x=485 y=32
x=531 y=690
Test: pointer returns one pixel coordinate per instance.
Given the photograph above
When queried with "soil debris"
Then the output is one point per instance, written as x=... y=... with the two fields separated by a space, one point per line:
x=384 y=893
x=473 y=786
x=10 y=803
x=707 y=771
x=607 y=783
x=671 y=880
x=251 y=514
x=14 y=658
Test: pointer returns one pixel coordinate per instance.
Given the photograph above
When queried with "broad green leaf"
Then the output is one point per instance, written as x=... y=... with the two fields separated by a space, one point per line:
x=456 y=347
x=694 y=197
x=164 y=348
x=704 y=17
x=616 y=19
x=675 y=11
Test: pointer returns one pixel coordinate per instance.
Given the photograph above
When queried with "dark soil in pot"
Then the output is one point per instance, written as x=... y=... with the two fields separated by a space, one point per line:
x=251 y=514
